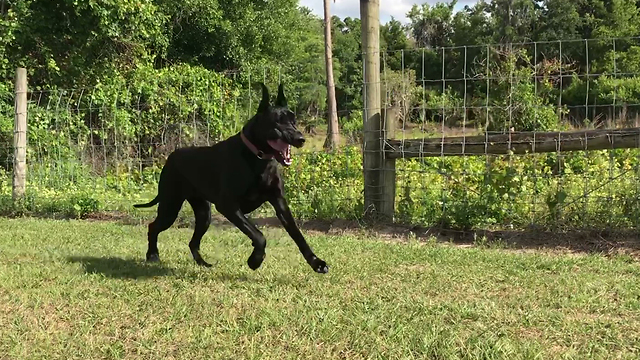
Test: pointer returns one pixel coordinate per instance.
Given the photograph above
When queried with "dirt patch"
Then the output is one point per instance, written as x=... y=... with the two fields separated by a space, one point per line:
x=607 y=242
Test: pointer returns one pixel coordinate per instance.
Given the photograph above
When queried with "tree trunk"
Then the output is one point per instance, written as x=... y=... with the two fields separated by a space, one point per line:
x=333 y=133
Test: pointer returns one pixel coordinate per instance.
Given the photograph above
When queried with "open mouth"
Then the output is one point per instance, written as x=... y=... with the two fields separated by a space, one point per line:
x=283 y=151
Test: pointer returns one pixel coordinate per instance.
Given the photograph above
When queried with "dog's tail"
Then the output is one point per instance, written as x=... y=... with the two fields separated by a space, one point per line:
x=149 y=204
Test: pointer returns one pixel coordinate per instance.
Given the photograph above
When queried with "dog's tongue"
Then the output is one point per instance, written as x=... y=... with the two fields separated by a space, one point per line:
x=284 y=151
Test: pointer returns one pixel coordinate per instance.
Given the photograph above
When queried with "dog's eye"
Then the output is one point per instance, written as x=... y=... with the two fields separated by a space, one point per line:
x=291 y=118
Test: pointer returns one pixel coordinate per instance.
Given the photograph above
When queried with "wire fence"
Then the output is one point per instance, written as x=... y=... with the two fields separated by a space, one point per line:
x=101 y=148
x=455 y=180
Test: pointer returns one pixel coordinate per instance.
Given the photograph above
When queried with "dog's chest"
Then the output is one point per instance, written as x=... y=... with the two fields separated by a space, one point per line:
x=263 y=186
x=253 y=195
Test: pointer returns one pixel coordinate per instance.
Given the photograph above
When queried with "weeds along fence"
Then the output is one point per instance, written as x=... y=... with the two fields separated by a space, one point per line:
x=512 y=135
x=491 y=136
x=100 y=149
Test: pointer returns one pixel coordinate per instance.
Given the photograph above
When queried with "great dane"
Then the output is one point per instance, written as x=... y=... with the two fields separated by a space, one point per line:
x=237 y=175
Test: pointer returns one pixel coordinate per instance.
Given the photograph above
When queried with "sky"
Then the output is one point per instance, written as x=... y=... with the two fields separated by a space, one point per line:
x=388 y=8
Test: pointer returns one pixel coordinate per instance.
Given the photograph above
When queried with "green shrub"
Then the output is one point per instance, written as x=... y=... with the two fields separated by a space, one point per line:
x=596 y=189
x=517 y=101
x=351 y=126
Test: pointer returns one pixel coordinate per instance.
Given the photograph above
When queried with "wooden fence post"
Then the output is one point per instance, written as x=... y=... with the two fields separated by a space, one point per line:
x=379 y=192
x=388 y=165
x=20 y=136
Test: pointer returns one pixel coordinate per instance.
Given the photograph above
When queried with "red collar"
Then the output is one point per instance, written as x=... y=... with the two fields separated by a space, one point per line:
x=259 y=153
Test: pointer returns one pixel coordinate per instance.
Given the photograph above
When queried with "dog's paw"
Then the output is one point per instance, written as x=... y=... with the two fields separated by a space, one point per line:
x=319 y=266
x=255 y=260
x=153 y=257
x=203 y=263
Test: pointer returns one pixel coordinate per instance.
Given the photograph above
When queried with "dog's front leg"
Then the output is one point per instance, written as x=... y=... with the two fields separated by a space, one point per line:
x=258 y=240
x=286 y=218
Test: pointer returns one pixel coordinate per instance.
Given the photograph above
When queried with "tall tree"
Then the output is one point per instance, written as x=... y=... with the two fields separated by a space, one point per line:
x=432 y=26
x=394 y=44
x=560 y=19
x=230 y=34
x=333 y=133
x=307 y=76
x=347 y=52
x=514 y=20
x=472 y=25
x=74 y=43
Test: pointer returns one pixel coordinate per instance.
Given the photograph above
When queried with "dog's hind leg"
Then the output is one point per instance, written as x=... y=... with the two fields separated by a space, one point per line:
x=202 y=212
x=167 y=214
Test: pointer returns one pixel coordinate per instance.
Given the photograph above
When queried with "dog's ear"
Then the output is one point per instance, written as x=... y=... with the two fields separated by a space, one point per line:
x=264 y=103
x=281 y=100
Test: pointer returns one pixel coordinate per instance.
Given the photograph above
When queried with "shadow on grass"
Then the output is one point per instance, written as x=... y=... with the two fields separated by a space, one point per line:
x=590 y=241
x=118 y=268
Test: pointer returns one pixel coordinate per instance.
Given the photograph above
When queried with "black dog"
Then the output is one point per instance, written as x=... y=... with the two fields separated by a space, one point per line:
x=237 y=175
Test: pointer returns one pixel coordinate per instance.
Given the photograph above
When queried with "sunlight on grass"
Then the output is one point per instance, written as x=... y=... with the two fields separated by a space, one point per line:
x=81 y=290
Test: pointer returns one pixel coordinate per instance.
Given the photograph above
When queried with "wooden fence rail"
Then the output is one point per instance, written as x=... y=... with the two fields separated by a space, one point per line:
x=514 y=143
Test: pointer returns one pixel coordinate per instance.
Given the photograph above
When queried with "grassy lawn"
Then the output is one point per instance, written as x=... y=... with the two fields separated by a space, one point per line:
x=79 y=290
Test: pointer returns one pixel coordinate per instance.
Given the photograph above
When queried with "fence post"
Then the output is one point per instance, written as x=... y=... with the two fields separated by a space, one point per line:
x=20 y=136
x=388 y=165
x=378 y=201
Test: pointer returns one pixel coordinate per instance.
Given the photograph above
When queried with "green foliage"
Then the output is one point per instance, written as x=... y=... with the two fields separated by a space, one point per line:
x=8 y=27
x=137 y=78
x=75 y=203
x=395 y=45
x=347 y=60
x=561 y=20
x=177 y=105
x=467 y=193
x=173 y=97
x=326 y=185
x=614 y=95
x=513 y=20
x=72 y=43
x=432 y=26
x=519 y=103
x=6 y=126
x=398 y=91
x=230 y=34
x=351 y=126
x=577 y=190
x=68 y=43
x=621 y=91
x=620 y=18
x=443 y=106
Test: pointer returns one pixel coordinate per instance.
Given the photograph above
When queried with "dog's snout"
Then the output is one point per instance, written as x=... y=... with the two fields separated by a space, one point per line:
x=298 y=140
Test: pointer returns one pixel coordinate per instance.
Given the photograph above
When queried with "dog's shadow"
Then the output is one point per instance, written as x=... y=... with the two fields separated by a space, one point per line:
x=128 y=269
x=119 y=268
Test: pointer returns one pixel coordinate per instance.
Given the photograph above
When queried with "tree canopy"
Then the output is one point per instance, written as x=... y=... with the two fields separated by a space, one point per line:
x=70 y=44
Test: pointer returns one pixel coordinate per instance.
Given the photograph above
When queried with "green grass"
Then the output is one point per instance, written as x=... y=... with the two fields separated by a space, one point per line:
x=79 y=290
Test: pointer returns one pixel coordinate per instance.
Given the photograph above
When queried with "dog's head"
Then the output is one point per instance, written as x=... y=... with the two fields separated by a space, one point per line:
x=273 y=129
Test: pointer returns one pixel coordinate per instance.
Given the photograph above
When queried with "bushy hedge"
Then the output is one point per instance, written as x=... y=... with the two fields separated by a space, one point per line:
x=578 y=190
x=143 y=117
x=101 y=149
